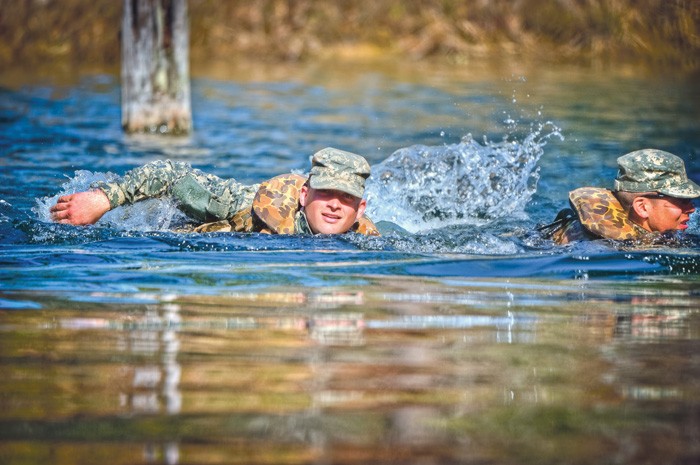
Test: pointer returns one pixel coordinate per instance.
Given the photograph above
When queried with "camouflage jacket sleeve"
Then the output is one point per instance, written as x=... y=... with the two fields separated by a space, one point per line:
x=202 y=196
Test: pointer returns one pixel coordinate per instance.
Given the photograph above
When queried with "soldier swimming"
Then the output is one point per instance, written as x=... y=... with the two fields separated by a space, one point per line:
x=651 y=195
x=328 y=201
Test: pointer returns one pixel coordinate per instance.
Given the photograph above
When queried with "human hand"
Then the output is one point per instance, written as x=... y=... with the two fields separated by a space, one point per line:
x=81 y=208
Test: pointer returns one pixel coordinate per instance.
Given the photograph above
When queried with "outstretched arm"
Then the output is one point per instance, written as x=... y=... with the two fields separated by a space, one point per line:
x=81 y=208
x=203 y=197
x=151 y=180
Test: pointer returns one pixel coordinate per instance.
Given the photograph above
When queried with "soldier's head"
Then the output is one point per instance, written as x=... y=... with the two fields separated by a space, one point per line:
x=652 y=185
x=332 y=197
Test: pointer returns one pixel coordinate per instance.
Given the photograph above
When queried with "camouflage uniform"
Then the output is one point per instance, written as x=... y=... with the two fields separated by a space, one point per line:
x=226 y=205
x=596 y=213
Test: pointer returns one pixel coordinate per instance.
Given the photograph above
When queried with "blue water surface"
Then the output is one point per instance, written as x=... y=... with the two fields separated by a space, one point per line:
x=442 y=134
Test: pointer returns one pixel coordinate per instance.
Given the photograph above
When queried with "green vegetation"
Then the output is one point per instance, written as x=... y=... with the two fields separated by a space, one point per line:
x=656 y=32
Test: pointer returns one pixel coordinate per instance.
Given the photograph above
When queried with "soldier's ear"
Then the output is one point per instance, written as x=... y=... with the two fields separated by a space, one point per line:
x=361 y=209
x=302 y=195
x=640 y=207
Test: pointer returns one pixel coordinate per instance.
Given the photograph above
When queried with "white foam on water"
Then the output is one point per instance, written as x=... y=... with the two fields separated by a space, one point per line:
x=422 y=187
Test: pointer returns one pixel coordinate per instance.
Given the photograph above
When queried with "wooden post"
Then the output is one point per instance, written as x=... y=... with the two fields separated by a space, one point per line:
x=155 y=67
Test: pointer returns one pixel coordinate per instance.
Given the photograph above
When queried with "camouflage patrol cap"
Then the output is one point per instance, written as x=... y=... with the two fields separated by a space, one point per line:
x=652 y=170
x=339 y=170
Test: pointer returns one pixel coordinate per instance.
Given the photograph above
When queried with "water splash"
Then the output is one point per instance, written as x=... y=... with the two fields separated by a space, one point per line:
x=159 y=214
x=421 y=187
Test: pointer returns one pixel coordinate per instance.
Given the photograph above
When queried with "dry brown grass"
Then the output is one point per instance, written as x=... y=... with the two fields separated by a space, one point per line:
x=662 y=32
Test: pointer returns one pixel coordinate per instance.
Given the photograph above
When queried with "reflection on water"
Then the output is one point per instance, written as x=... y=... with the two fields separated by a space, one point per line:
x=155 y=387
x=401 y=370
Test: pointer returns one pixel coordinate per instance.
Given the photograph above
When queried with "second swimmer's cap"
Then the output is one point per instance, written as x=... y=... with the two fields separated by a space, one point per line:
x=339 y=170
x=652 y=170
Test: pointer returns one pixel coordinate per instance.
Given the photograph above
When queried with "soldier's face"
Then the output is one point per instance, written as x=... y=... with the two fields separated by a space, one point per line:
x=669 y=213
x=330 y=211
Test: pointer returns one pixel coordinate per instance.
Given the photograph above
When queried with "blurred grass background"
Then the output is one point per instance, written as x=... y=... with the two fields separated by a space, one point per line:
x=653 y=32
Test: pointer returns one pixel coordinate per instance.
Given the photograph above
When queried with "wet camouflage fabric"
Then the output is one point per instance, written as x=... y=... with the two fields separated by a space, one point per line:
x=301 y=226
x=652 y=170
x=223 y=205
x=337 y=169
x=273 y=210
x=204 y=197
x=365 y=226
x=595 y=213
x=277 y=202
